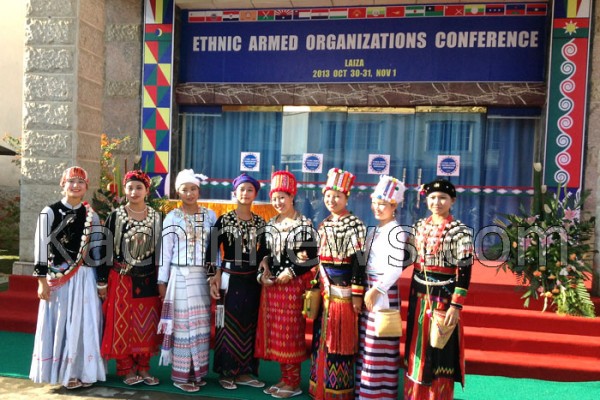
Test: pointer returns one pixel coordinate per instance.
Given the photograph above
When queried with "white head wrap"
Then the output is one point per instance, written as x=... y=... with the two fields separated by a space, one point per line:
x=188 y=176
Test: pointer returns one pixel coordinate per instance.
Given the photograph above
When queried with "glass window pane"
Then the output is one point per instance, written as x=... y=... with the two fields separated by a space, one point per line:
x=494 y=153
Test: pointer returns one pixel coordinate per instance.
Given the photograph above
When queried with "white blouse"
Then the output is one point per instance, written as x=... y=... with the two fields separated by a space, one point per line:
x=184 y=240
x=386 y=248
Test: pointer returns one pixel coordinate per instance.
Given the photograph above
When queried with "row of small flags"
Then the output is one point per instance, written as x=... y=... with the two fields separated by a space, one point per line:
x=369 y=12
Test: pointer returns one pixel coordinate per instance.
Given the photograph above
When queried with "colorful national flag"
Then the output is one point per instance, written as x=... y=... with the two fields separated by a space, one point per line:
x=214 y=16
x=248 y=15
x=515 y=9
x=494 y=9
x=231 y=15
x=283 y=14
x=571 y=27
x=301 y=14
x=434 y=11
x=197 y=16
x=394 y=12
x=357 y=12
x=158 y=32
x=454 y=11
x=536 y=9
x=474 y=9
x=319 y=13
x=375 y=12
x=414 y=11
x=338 y=13
x=266 y=15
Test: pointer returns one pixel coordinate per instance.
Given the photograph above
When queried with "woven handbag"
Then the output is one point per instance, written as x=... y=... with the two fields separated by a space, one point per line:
x=439 y=334
x=388 y=323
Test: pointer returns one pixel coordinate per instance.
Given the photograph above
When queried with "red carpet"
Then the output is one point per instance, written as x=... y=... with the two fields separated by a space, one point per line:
x=501 y=336
x=19 y=304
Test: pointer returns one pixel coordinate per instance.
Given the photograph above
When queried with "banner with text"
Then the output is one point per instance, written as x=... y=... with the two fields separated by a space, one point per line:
x=440 y=43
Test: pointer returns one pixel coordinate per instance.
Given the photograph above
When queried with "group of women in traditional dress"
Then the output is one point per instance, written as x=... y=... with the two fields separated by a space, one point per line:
x=87 y=315
x=155 y=279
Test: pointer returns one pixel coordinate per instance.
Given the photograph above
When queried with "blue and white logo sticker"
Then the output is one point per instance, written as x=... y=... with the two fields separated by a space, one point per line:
x=250 y=161
x=448 y=165
x=312 y=163
x=379 y=164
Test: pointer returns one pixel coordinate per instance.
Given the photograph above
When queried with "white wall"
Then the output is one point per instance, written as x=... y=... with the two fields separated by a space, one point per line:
x=12 y=37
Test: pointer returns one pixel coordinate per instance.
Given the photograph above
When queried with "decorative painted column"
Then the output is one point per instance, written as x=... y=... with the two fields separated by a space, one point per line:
x=567 y=106
x=568 y=93
x=157 y=89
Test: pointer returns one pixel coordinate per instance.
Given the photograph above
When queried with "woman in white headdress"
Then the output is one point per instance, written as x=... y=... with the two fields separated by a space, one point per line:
x=378 y=358
x=183 y=286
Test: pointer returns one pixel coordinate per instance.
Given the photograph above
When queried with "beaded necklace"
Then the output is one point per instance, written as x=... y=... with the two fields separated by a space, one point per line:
x=340 y=238
x=138 y=236
x=87 y=230
x=429 y=237
x=240 y=228
x=280 y=233
x=194 y=231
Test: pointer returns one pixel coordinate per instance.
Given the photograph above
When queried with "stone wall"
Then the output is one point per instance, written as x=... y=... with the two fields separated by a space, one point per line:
x=122 y=92
x=63 y=81
x=82 y=75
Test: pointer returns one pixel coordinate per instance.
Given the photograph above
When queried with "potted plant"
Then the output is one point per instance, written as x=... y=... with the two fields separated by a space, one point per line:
x=550 y=250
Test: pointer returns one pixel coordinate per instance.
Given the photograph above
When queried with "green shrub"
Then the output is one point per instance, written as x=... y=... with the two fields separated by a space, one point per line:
x=9 y=225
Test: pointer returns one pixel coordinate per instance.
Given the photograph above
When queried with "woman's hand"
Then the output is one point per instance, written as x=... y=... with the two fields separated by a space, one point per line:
x=43 y=288
x=371 y=298
x=266 y=280
x=302 y=256
x=102 y=292
x=264 y=266
x=452 y=316
x=284 y=277
x=162 y=291
x=215 y=285
x=357 y=302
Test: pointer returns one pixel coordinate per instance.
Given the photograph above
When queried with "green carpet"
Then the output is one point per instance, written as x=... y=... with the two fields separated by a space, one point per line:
x=15 y=356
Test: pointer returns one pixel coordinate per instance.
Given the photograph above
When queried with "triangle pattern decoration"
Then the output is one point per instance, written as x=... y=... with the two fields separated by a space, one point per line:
x=151 y=53
x=161 y=160
x=149 y=118
x=150 y=97
x=163 y=118
x=150 y=14
x=162 y=140
x=164 y=52
x=157 y=84
x=163 y=75
x=167 y=10
x=163 y=96
x=159 y=11
x=149 y=139
x=150 y=74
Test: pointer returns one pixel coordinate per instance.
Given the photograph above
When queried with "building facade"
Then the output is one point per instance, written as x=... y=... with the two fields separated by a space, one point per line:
x=125 y=68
